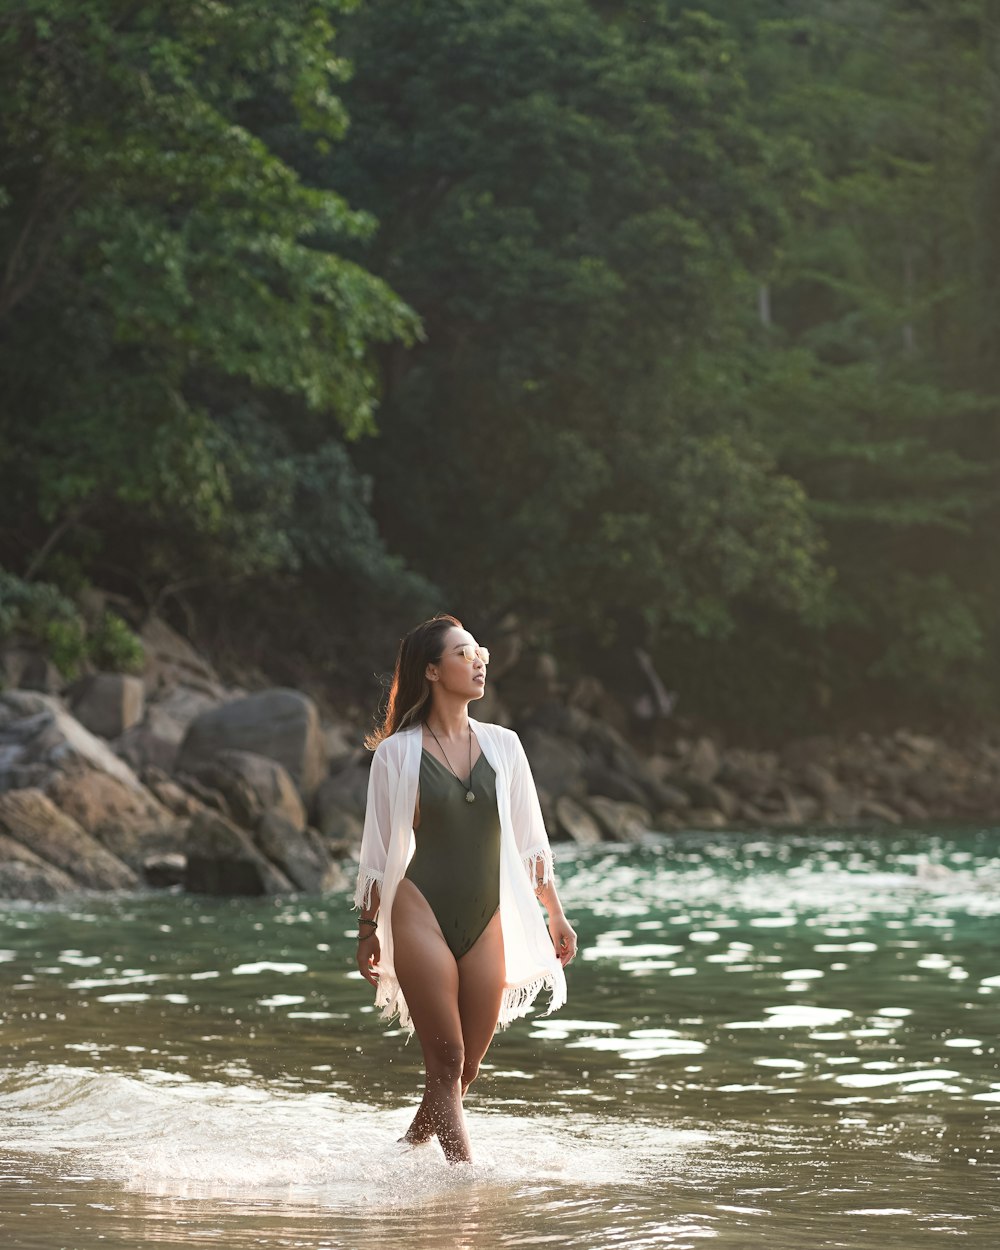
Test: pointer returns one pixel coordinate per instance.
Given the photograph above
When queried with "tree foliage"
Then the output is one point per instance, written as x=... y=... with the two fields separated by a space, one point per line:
x=656 y=324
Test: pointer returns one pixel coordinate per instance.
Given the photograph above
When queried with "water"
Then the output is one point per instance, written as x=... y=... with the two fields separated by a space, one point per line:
x=785 y=1043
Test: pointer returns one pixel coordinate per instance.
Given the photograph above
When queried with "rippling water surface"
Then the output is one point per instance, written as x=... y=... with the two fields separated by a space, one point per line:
x=785 y=1043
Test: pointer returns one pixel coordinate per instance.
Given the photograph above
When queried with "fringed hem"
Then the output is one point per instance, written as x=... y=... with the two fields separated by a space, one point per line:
x=391 y=1003
x=518 y=999
x=367 y=877
x=542 y=855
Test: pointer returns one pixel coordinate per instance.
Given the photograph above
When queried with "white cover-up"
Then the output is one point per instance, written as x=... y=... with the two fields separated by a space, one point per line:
x=389 y=842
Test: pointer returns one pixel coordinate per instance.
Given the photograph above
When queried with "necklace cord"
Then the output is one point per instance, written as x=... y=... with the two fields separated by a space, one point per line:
x=467 y=788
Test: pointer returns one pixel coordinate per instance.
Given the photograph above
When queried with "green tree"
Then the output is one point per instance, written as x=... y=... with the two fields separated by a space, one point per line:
x=162 y=267
x=572 y=196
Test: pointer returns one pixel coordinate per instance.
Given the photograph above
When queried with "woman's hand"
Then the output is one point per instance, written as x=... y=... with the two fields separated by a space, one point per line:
x=368 y=957
x=563 y=938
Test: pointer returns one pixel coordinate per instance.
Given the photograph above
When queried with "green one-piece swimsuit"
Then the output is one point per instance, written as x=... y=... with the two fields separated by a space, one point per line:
x=456 y=865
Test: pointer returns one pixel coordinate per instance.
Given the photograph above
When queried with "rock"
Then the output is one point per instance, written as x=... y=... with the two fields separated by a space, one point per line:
x=705 y=818
x=108 y=703
x=913 y=809
x=841 y=807
x=156 y=741
x=819 y=781
x=252 y=785
x=344 y=793
x=673 y=798
x=724 y=801
x=339 y=741
x=871 y=809
x=23 y=874
x=31 y=818
x=750 y=773
x=300 y=853
x=222 y=860
x=613 y=785
x=282 y=725
x=815 y=750
x=556 y=763
x=162 y=872
x=703 y=763
x=621 y=822
x=130 y=823
x=575 y=822
x=173 y=797
x=171 y=661
x=699 y=793
x=344 y=828
x=24 y=668
x=918 y=744
x=38 y=736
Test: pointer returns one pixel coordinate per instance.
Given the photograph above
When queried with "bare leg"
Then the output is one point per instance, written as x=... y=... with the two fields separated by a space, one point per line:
x=429 y=979
x=481 y=975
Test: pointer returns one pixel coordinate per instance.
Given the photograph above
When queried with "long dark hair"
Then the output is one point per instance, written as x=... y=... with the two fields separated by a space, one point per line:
x=410 y=693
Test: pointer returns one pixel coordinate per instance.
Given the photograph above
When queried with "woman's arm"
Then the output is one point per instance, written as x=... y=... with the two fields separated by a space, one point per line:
x=369 y=949
x=560 y=930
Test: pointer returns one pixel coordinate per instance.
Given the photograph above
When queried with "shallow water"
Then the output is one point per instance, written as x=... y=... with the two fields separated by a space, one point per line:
x=786 y=1043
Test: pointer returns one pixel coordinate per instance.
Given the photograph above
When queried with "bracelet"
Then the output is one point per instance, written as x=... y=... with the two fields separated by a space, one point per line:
x=365 y=920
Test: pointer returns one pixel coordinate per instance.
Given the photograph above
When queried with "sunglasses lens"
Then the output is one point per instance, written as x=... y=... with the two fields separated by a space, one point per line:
x=483 y=654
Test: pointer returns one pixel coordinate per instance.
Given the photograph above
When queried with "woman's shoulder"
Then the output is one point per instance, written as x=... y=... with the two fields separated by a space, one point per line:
x=392 y=748
x=500 y=734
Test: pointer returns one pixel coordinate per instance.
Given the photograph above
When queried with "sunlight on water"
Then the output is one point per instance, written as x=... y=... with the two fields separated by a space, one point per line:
x=786 y=1044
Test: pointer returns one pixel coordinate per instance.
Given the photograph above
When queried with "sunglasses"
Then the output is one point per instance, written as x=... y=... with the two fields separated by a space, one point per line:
x=470 y=654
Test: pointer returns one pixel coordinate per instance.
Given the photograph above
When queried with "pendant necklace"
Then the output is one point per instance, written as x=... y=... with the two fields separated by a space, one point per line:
x=470 y=796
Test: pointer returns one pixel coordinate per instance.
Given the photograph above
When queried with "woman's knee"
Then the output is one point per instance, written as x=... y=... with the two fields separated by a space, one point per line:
x=470 y=1070
x=445 y=1060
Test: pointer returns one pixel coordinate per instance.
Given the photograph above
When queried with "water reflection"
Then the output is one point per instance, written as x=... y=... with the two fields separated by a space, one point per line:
x=765 y=1043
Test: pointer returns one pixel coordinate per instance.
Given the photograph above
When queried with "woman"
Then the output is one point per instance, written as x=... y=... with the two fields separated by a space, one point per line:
x=453 y=854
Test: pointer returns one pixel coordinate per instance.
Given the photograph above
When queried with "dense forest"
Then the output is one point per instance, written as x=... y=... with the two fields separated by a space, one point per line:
x=646 y=324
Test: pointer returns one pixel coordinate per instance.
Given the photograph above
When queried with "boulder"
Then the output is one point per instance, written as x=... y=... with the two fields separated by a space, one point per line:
x=575 y=822
x=704 y=818
x=841 y=807
x=25 y=668
x=31 y=818
x=252 y=786
x=601 y=779
x=342 y=827
x=342 y=795
x=108 y=703
x=557 y=764
x=340 y=741
x=173 y=797
x=156 y=741
x=703 y=762
x=163 y=872
x=222 y=860
x=621 y=822
x=819 y=781
x=38 y=737
x=282 y=725
x=130 y=823
x=750 y=773
x=171 y=661
x=301 y=854
x=23 y=874
x=672 y=798
x=871 y=809
x=725 y=801
x=818 y=749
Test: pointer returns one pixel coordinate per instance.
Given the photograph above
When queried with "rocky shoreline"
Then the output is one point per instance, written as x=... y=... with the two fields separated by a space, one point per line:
x=172 y=779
